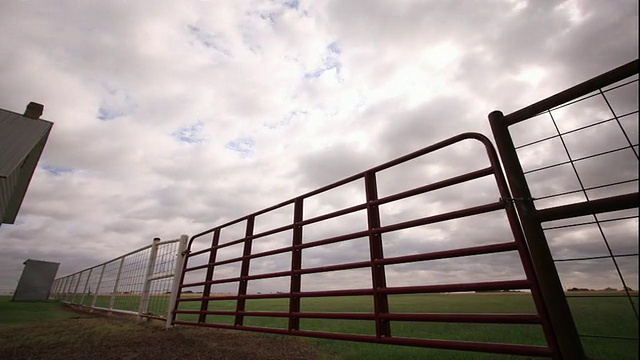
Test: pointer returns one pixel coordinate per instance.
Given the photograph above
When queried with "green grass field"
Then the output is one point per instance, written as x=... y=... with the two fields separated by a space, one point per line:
x=597 y=315
x=594 y=316
x=17 y=313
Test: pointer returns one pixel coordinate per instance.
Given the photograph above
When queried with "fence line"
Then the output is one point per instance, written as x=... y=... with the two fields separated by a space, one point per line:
x=591 y=124
x=142 y=282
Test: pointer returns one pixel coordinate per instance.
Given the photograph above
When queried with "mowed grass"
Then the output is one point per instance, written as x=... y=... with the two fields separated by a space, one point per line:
x=598 y=315
x=37 y=311
x=46 y=330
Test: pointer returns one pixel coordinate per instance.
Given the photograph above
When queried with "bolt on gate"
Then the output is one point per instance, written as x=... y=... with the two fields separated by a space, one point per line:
x=143 y=282
x=217 y=285
x=593 y=190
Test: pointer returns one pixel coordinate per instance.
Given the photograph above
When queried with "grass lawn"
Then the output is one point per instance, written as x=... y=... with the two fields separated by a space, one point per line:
x=597 y=315
x=594 y=316
x=45 y=330
x=37 y=311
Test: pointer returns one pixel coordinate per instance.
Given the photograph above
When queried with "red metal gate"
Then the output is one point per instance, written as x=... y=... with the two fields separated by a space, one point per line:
x=200 y=304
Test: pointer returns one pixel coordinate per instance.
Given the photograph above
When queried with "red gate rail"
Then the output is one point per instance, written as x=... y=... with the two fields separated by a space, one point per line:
x=379 y=291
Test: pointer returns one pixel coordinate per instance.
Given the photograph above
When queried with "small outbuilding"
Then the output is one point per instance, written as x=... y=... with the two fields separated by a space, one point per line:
x=22 y=139
x=36 y=280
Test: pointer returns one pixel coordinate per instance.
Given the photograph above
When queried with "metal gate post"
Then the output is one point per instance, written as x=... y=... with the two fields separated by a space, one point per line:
x=378 y=277
x=561 y=320
x=244 y=272
x=86 y=284
x=63 y=294
x=95 y=295
x=59 y=283
x=177 y=278
x=296 y=265
x=52 y=292
x=206 y=292
x=75 y=289
x=71 y=293
x=115 y=286
x=146 y=289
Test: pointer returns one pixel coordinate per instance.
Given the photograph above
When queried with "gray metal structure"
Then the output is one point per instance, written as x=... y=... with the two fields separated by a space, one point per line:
x=22 y=139
x=35 y=281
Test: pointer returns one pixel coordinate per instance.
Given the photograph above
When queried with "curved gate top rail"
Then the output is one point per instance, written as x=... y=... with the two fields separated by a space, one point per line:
x=203 y=310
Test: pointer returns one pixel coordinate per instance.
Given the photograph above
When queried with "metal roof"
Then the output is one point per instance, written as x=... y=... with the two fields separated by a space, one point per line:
x=18 y=136
x=22 y=139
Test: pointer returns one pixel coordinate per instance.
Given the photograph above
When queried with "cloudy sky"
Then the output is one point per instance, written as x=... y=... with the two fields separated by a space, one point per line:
x=172 y=118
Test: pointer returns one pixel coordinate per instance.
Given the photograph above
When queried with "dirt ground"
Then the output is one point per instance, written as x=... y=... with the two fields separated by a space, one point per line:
x=91 y=337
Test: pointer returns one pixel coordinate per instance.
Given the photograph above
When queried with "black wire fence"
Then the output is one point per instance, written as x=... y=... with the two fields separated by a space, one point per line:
x=572 y=164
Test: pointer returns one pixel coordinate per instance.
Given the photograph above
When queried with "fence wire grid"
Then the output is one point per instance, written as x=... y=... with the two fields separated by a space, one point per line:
x=140 y=282
x=579 y=160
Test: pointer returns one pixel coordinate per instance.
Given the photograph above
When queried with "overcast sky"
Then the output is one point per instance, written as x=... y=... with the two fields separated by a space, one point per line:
x=174 y=117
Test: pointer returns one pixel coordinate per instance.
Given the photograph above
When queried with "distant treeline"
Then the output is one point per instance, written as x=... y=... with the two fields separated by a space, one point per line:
x=606 y=289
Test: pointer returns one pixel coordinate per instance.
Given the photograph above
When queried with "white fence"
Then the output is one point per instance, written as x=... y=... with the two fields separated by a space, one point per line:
x=143 y=282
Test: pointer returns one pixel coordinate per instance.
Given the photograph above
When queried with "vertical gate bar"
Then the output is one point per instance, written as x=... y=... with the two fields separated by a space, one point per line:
x=244 y=271
x=379 y=281
x=86 y=284
x=555 y=301
x=146 y=288
x=95 y=296
x=115 y=286
x=75 y=289
x=523 y=251
x=204 y=306
x=296 y=264
x=178 y=277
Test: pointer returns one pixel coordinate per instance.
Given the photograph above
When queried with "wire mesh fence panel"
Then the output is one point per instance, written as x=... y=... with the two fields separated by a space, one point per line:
x=161 y=279
x=577 y=154
x=144 y=276
x=129 y=290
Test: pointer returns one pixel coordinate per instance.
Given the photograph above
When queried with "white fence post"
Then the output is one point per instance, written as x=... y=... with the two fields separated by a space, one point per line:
x=75 y=289
x=58 y=287
x=69 y=295
x=97 y=291
x=67 y=289
x=115 y=286
x=144 y=302
x=177 y=277
x=63 y=294
x=86 y=284
x=134 y=278
x=52 y=291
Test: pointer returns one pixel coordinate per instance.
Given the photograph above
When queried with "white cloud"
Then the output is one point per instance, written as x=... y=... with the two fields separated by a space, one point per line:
x=213 y=110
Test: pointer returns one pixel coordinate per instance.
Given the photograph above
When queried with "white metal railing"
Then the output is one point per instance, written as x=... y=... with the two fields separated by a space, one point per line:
x=143 y=282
